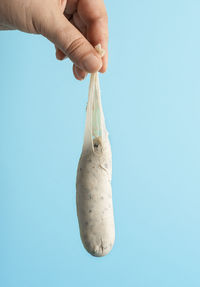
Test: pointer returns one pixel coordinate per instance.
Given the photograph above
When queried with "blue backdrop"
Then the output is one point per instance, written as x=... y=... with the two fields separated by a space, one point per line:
x=151 y=100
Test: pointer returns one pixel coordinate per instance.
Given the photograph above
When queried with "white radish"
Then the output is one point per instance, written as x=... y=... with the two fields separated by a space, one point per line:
x=93 y=184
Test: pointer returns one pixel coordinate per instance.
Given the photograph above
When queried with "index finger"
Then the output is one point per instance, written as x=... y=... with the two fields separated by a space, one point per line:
x=93 y=14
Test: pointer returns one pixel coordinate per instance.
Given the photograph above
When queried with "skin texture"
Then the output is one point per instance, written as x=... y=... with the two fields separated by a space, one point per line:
x=74 y=26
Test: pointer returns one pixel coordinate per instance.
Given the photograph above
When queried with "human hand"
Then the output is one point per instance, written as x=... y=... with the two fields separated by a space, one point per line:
x=74 y=26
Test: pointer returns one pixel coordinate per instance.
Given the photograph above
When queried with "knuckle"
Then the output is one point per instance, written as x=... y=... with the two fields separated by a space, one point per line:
x=73 y=46
x=67 y=45
x=103 y=17
x=59 y=35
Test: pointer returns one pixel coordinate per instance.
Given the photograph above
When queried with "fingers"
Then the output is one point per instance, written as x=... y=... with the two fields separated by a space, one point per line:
x=90 y=19
x=78 y=73
x=91 y=10
x=73 y=44
x=60 y=55
x=78 y=23
x=98 y=33
x=93 y=14
x=71 y=7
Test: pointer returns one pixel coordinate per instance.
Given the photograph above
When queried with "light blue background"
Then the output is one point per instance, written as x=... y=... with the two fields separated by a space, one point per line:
x=151 y=100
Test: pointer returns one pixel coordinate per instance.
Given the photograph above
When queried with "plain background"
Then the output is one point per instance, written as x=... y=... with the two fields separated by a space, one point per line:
x=151 y=101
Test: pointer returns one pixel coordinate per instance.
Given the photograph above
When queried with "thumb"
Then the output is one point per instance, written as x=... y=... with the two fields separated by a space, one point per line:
x=73 y=44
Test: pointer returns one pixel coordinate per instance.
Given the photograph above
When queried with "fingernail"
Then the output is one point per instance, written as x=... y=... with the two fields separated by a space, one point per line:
x=80 y=74
x=59 y=55
x=92 y=63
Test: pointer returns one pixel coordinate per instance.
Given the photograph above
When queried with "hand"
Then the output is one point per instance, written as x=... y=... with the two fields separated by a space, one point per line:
x=74 y=26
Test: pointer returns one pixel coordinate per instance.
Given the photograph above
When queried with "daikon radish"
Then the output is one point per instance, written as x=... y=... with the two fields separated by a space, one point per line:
x=93 y=184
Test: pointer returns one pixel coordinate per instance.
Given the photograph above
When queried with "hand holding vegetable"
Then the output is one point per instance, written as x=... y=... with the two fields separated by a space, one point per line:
x=74 y=26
